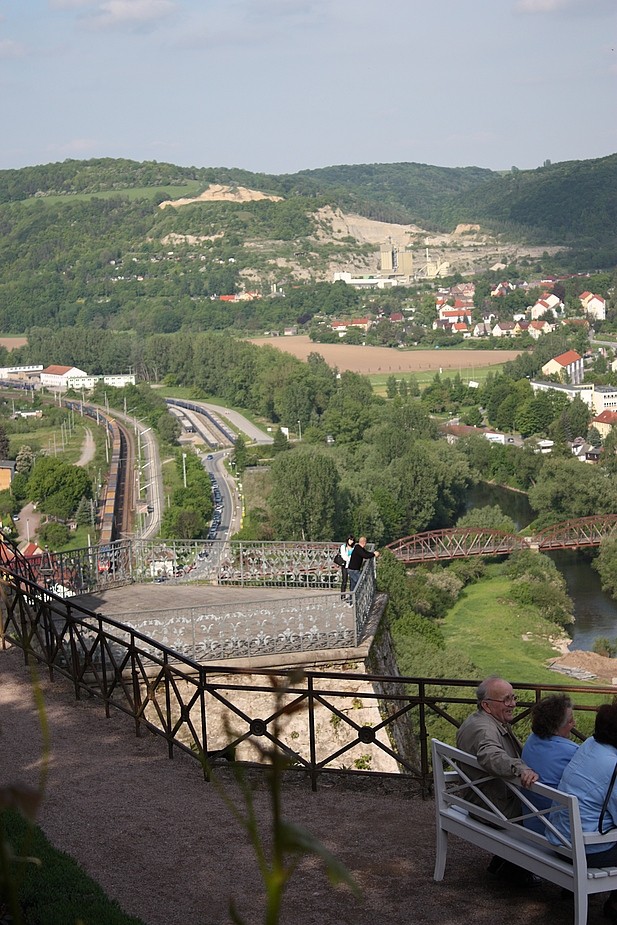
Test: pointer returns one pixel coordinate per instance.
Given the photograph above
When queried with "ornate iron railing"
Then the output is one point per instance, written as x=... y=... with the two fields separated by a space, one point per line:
x=278 y=565
x=340 y=722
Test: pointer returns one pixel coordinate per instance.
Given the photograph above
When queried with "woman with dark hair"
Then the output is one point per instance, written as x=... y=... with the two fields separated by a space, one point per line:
x=345 y=551
x=589 y=776
x=549 y=748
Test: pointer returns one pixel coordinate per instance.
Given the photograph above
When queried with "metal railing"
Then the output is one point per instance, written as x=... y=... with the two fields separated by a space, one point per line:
x=262 y=564
x=340 y=722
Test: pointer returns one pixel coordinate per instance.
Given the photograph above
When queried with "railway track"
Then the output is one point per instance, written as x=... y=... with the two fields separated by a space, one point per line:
x=116 y=513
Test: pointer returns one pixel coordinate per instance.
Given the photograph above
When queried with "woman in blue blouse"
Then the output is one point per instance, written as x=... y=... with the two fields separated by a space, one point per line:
x=549 y=748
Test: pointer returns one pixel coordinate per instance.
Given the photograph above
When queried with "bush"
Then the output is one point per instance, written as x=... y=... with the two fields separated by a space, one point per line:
x=54 y=535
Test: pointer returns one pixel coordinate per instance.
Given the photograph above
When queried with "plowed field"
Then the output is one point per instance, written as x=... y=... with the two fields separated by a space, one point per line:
x=372 y=360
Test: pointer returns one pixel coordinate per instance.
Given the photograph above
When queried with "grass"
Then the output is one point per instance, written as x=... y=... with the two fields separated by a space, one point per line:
x=425 y=377
x=500 y=636
x=57 y=891
x=139 y=192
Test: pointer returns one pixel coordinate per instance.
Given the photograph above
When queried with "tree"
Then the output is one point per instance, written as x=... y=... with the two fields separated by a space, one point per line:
x=54 y=535
x=605 y=564
x=491 y=517
x=280 y=442
x=240 y=455
x=305 y=500
x=4 y=443
x=58 y=487
x=169 y=428
x=391 y=387
x=24 y=460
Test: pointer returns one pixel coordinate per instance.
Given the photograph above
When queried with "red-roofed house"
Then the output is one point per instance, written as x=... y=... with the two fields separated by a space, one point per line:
x=396 y=317
x=594 y=305
x=455 y=314
x=604 y=422
x=537 y=328
x=363 y=323
x=568 y=366
x=56 y=377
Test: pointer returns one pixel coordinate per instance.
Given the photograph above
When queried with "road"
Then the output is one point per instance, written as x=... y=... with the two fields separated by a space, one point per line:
x=250 y=430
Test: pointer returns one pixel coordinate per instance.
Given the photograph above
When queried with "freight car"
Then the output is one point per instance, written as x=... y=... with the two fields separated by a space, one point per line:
x=110 y=511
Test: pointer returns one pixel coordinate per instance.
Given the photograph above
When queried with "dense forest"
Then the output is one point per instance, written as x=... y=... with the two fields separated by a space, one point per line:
x=86 y=242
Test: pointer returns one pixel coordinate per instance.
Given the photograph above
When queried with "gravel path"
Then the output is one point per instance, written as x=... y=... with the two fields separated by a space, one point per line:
x=161 y=841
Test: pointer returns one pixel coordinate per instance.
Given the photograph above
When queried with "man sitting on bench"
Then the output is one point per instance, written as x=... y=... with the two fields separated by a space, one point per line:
x=487 y=734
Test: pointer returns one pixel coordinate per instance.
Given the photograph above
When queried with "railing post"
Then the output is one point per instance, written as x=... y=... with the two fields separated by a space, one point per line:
x=424 y=762
x=170 y=743
x=74 y=659
x=311 y=713
x=204 y=723
x=136 y=688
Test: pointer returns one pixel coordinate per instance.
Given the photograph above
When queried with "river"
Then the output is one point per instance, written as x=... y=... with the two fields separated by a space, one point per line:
x=595 y=613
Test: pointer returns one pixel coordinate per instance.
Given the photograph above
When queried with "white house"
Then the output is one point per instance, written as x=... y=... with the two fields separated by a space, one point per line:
x=89 y=382
x=593 y=305
x=56 y=377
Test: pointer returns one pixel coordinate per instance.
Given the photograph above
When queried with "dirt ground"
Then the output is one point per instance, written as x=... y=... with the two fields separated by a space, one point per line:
x=162 y=842
x=605 y=669
x=11 y=343
x=370 y=360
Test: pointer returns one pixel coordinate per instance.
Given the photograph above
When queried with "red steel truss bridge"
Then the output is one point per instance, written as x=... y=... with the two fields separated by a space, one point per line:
x=462 y=542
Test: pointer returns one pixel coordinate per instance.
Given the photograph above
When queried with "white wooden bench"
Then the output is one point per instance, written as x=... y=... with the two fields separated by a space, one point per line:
x=488 y=828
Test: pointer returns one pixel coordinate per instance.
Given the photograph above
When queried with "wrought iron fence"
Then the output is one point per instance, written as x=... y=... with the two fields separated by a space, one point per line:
x=344 y=722
x=279 y=565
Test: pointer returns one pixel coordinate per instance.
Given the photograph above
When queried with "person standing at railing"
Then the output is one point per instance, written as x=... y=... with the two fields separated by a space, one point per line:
x=488 y=735
x=345 y=551
x=358 y=557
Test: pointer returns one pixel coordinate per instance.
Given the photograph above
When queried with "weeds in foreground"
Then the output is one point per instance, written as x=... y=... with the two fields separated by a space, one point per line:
x=26 y=801
x=280 y=849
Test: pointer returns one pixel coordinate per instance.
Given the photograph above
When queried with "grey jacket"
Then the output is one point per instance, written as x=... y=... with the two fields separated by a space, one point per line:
x=498 y=752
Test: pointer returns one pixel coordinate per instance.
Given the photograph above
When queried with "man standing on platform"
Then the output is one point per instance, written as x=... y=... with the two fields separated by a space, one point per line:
x=358 y=555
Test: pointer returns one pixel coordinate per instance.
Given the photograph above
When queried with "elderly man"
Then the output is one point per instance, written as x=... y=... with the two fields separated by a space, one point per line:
x=487 y=734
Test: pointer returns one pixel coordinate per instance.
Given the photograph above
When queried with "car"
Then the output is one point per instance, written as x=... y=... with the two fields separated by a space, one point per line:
x=15 y=518
x=209 y=456
x=150 y=509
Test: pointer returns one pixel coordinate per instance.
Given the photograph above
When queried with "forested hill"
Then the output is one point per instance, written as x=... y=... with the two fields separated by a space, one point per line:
x=559 y=203
x=86 y=242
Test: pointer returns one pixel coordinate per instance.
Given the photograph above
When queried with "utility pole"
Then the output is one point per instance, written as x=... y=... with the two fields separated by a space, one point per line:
x=184 y=468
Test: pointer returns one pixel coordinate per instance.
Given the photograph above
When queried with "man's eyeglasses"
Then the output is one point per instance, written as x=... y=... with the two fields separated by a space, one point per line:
x=511 y=699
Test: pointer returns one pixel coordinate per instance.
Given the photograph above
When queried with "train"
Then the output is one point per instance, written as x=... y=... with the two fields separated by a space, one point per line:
x=110 y=514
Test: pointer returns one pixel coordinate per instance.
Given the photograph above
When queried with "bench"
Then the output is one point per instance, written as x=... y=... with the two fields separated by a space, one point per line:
x=486 y=827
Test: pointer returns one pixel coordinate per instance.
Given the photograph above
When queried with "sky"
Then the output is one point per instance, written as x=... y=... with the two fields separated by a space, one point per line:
x=278 y=86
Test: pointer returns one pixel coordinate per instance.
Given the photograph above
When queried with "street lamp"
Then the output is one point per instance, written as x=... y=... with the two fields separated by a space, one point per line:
x=184 y=468
x=299 y=431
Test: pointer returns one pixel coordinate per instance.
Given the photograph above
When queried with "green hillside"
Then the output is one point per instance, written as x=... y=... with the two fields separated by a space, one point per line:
x=564 y=203
x=86 y=242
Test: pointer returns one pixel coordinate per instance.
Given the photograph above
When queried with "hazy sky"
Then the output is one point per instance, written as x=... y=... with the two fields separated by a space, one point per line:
x=282 y=85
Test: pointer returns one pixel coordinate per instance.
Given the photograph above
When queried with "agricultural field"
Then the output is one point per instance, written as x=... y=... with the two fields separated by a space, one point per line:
x=385 y=361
